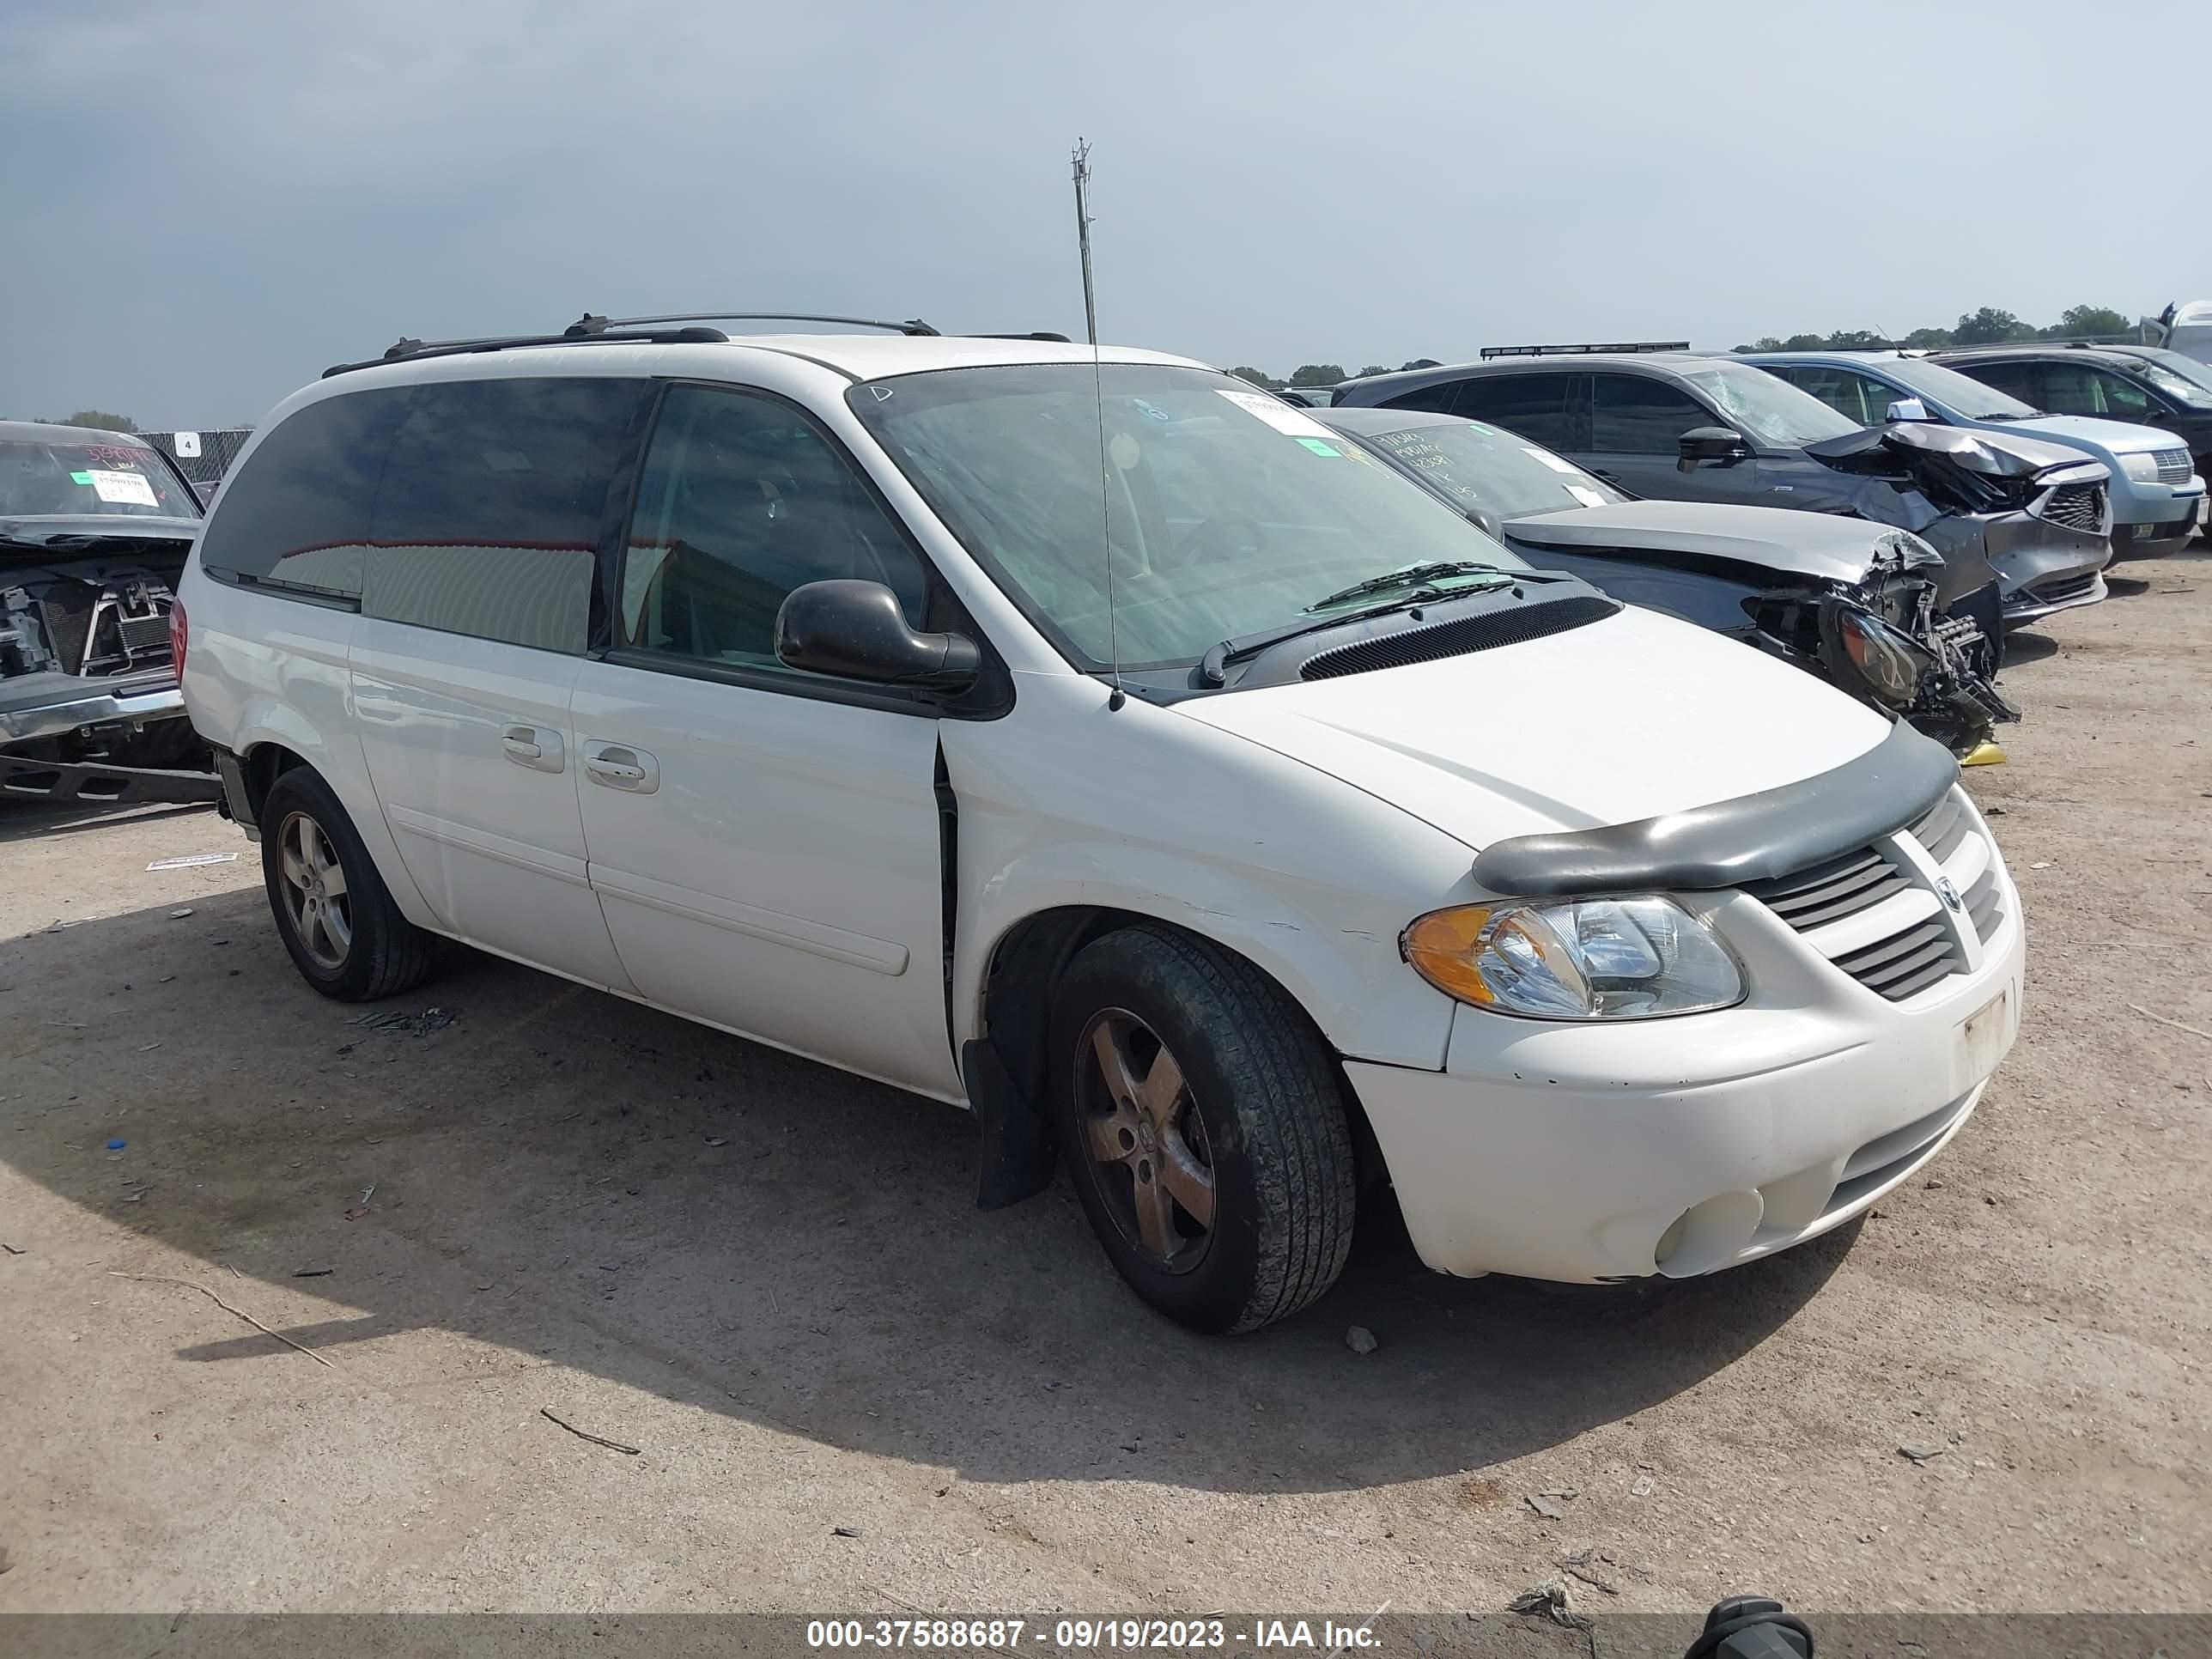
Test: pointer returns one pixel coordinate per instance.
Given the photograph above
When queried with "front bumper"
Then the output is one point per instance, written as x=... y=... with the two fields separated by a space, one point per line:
x=1569 y=1152
x=51 y=705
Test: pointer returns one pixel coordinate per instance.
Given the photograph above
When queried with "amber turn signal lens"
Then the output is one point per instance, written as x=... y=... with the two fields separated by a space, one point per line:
x=1442 y=947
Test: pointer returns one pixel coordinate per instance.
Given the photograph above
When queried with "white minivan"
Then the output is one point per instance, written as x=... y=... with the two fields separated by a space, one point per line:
x=1105 y=745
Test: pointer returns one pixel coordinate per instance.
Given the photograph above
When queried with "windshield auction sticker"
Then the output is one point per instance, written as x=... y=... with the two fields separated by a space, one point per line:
x=1277 y=414
x=124 y=488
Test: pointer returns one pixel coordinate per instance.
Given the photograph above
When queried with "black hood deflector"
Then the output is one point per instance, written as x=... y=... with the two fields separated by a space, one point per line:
x=1752 y=838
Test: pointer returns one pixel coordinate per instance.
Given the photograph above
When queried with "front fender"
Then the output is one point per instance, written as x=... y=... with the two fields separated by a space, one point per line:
x=1343 y=969
x=1065 y=803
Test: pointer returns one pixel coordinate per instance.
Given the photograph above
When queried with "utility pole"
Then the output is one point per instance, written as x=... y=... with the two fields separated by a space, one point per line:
x=1083 y=234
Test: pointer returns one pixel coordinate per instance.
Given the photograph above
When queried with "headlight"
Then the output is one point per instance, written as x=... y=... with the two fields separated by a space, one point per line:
x=1888 y=663
x=1612 y=958
x=2142 y=466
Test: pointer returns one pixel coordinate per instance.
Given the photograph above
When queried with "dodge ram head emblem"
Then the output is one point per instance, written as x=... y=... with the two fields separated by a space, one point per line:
x=1948 y=891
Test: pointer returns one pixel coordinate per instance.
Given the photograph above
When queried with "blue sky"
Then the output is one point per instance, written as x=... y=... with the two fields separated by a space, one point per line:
x=206 y=204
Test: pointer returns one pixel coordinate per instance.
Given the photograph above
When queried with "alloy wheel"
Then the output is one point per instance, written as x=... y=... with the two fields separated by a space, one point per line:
x=1149 y=1158
x=314 y=888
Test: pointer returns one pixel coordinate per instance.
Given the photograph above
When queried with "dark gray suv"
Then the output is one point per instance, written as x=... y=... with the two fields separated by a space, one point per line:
x=1675 y=425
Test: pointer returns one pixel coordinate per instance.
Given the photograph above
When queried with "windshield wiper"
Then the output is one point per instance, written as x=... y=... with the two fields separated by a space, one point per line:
x=1412 y=575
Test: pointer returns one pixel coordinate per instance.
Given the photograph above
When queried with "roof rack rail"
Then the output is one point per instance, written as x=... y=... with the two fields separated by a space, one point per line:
x=2070 y=342
x=588 y=325
x=1582 y=350
x=1034 y=334
x=407 y=350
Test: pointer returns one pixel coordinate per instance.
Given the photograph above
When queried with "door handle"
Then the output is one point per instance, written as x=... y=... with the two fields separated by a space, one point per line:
x=533 y=747
x=618 y=766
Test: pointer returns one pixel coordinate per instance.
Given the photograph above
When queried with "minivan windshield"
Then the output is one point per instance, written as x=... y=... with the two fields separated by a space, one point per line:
x=124 y=479
x=1226 y=511
x=1772 y=410
x=1963 y=392
x=1481 y=466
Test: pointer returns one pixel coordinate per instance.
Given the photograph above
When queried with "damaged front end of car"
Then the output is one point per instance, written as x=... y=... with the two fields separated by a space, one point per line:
x=2034 y=517
x=89 y=705
x=1884 y=639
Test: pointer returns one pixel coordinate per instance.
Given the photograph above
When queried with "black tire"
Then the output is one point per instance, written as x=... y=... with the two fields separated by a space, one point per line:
x=1270 y=1132
x=383 y=953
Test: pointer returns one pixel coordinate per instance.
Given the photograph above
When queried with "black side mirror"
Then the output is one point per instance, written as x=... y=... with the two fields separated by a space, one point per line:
x=855 y=630
x=1711 y=443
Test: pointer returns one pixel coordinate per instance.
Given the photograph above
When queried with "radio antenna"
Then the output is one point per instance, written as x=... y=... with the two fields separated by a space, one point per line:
x=1098 y=397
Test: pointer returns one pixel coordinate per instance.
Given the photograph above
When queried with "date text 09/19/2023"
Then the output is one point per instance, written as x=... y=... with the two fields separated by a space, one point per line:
x=1087 y=1635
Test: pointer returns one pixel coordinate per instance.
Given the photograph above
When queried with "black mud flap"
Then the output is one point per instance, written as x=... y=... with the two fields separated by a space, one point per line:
x=1017 y=1155
x=84 y=785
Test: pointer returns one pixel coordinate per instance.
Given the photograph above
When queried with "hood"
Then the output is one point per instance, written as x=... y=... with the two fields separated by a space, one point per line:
x=69 y=532
x=2120 y=437
x=1903 y=446
x=1618 y=721
x=1823 y=546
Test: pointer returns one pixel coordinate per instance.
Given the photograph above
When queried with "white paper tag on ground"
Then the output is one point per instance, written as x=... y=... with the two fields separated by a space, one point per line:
x=126 y=489
x=187 y=863
x=1280 y=415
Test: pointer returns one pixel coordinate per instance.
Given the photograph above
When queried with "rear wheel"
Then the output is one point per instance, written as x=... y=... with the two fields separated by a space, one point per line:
x=1203 y=1117
x=333 y=911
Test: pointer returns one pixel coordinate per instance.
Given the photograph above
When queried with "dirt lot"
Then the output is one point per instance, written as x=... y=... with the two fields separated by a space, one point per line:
x=768 y=1277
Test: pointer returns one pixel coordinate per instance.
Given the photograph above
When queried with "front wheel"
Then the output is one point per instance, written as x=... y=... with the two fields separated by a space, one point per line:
x=1204 y=1119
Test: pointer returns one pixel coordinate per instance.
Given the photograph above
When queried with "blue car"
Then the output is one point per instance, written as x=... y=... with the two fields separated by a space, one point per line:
x=2157 y=497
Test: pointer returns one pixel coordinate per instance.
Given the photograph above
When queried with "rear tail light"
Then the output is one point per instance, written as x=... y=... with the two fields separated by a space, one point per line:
x=180 y=636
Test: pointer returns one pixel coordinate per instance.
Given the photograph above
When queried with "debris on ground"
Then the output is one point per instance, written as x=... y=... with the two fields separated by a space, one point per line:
x=1565 y=1494
x=1588 y=1565
x=597 y=1440
x=312 y=1272
x=1545 y=1507
x=175 y=916
x=193 y=858
x=421 y=1023
x=116 y=1145
x=2176 y=1024
x=1551 y=1600
x=1644 y=1486
x=1918 y=1451
x=844 y=1532
x=13 y=1250
x=165 y=1278
x=1360 y=1339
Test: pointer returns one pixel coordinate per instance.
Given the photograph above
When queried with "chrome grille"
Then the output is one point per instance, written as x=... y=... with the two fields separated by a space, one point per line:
x=1916 y=949
x=2172 y=466
x=2076 y=507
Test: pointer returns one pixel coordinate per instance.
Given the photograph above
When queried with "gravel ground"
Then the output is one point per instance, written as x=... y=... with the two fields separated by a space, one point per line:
x=767 y=1278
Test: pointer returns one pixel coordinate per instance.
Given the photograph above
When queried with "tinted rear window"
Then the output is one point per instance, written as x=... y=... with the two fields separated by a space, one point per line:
x=296 y=513
x=493 y=501
x=1540 y=407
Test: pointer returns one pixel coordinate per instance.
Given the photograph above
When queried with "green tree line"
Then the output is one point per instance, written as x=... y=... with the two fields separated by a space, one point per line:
x=1988 y=325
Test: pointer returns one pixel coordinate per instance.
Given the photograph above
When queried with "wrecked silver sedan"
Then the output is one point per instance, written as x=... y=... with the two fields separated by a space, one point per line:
x=95 y=527
x=2038 y=516
x=1859 y=605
